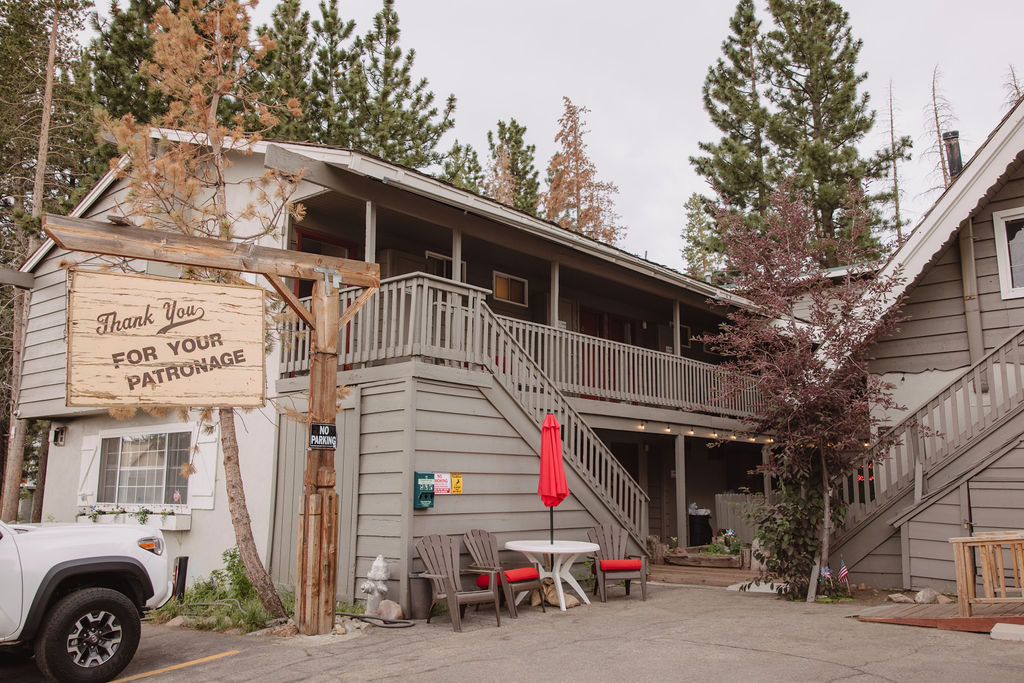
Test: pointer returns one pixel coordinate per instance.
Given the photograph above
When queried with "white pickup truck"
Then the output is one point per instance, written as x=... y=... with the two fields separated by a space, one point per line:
x=74 y=593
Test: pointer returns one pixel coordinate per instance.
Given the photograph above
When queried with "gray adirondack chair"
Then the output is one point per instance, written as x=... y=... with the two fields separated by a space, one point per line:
x=483 y=548
x=612 y=563
x=440 y=555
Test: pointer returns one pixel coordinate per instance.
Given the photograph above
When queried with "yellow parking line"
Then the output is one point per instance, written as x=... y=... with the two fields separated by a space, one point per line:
x=177 y=666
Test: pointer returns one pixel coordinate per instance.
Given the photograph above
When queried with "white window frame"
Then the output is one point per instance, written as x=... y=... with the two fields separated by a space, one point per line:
x=494 y=289
x=441 y=257
x=174 y=428
x=999 y=221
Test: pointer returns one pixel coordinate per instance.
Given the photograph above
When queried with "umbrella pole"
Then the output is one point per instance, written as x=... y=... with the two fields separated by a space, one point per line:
x=551 y=512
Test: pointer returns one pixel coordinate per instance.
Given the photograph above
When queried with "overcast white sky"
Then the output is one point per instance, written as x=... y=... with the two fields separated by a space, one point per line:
x=639 y=67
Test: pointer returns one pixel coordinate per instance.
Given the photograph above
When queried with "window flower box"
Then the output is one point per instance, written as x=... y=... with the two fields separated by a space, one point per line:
x=175 y=522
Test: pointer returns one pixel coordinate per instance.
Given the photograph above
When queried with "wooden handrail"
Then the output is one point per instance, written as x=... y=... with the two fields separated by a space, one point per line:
x=945 y=426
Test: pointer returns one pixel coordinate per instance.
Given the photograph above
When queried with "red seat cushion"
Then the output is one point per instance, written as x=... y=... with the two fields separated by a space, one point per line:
x=511 y=575
x=621 y=565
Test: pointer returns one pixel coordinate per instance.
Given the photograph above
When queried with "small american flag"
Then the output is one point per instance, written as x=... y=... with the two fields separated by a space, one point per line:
x=826 y=574
x=844 y=573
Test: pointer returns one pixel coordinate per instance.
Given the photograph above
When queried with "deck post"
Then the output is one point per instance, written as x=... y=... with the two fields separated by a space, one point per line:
x=682 y=520
x=456 y=255
x=318 y=516
x=370 y=242
x=553 y=305
x=677 y=342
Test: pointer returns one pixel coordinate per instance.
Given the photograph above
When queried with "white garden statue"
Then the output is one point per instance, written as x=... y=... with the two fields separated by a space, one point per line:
x=374 y=586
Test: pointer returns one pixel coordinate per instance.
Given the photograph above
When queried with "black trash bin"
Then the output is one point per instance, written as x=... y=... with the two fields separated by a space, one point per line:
x=700 y=529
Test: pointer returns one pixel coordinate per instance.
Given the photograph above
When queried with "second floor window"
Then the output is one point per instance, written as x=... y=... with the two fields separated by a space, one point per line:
x=144 y=469
x=1008 y=228
x=509 y=288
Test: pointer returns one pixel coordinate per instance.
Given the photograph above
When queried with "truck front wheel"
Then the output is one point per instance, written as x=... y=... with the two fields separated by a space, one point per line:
x=90 y=636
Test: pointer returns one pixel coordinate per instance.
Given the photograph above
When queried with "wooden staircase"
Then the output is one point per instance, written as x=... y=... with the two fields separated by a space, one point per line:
x=961 y=425
x=425 y=316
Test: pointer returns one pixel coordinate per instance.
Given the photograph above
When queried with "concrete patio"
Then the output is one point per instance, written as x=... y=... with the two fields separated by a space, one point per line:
x=680 y=633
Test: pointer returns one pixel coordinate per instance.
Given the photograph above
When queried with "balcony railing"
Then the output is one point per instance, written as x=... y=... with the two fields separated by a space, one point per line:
x=582 y=365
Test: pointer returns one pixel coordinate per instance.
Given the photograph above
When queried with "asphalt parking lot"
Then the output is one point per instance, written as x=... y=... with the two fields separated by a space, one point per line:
x=684 y=633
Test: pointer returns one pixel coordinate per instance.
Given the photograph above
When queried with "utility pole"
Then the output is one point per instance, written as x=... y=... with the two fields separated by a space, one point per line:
x=318 y=518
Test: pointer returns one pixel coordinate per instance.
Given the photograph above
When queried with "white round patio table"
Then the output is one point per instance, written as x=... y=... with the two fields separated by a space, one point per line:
x=563 y=554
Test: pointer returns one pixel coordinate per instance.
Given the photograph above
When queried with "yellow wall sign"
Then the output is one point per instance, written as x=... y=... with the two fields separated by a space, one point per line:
x=135 y=340
x=456 y=482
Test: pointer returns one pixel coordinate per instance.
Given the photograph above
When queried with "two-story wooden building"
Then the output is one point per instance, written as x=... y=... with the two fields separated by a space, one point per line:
x=487 y=319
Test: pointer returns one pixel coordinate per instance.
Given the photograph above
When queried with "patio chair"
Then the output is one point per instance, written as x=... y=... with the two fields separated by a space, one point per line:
x=483 y=548
x=440 y=556
x=611 y=563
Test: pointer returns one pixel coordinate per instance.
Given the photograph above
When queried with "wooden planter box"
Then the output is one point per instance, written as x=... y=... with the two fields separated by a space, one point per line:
x=692 y=557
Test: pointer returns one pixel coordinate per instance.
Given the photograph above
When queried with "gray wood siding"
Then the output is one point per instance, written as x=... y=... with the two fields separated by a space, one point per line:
x=44 y=371
x=998 y=317
x=459 y=429
x=411 y=422
x=934 y=335
x=931 y=555
x=382 y=503
x=881 y=567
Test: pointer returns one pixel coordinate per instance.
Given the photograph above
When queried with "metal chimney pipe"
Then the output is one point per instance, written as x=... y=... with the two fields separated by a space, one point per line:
x=951 y=141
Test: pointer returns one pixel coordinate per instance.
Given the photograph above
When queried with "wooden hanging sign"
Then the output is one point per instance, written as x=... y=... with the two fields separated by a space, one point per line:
x=136 y=340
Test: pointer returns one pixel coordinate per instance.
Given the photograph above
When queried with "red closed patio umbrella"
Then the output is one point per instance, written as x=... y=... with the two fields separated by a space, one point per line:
x=551 y=487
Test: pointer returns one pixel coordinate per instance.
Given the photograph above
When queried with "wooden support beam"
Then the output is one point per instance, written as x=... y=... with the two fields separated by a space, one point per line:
x=456 y=255
x=81 y=234
x=555 y=295
x=289 y=296
x=16 y=278
x=354 y=307
x=682 y=517
x=370 y=240
x=677 y=342
x=318 y=526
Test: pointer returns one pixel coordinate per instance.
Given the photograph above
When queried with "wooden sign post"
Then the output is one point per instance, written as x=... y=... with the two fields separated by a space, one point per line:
x=318 y=518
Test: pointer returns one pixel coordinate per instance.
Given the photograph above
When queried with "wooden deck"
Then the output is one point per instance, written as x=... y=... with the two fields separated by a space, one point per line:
x=946 y=617
x=699 y=576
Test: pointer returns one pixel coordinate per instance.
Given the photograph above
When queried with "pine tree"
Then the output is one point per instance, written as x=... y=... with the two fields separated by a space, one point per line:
x=940 y=117
x=819 y=117
x=41 y=123
x=701 y=247
x=121 y=46
x=284 y=75
x=575 y=199
x=394 y=117
x=520 y=163
x=119 y=87
x=737 y=166
x=328 y=113
x=462 y=168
